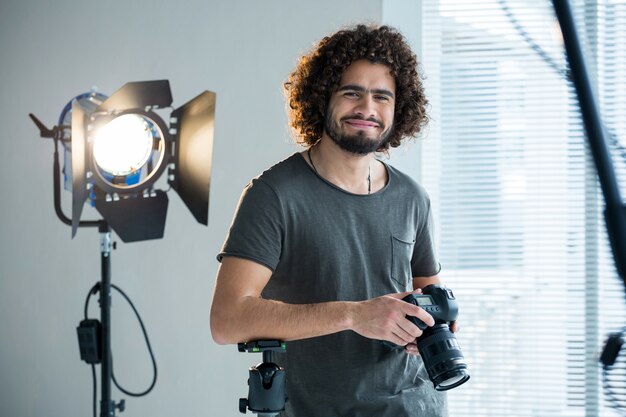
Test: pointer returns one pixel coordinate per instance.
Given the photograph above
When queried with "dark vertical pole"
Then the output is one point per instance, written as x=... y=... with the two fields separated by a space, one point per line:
x=615 y=210
x=586 y=98
x=107 y=406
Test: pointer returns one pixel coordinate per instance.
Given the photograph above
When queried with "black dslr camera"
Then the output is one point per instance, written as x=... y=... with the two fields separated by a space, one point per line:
x=438 y=346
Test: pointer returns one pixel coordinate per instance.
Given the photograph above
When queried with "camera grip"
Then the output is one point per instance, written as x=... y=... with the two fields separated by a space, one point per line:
x=412 y=300
x=417 y=322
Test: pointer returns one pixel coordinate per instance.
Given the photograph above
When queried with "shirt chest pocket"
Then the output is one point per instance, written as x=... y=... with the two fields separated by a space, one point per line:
x=401 y=254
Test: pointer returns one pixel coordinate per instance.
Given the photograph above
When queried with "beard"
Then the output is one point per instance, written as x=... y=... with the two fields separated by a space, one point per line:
x=358 y=144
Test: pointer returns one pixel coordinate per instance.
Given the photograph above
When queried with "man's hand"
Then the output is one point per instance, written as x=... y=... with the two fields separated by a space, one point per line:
x=384 y=318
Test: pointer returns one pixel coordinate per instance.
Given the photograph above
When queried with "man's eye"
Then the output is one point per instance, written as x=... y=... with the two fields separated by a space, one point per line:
x=351 y=94
x=382 y=98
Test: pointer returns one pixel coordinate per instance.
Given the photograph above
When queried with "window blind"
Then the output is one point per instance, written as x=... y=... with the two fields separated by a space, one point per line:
x=518 y=211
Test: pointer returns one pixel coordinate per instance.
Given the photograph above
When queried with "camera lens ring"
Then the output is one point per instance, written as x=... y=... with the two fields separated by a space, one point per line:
x=451 y=379
x=442 y=357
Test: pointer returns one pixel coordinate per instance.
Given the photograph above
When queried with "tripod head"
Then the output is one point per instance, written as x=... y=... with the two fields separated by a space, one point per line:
x=266 y=383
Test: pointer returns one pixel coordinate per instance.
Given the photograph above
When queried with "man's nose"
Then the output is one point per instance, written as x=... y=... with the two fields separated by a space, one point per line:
x=365 y=106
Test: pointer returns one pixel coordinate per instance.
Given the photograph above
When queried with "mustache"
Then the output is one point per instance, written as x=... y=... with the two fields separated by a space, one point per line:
x=360 y=117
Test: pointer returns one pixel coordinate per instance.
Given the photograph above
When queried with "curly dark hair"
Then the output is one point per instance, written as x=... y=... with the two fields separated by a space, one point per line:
x=317 y=76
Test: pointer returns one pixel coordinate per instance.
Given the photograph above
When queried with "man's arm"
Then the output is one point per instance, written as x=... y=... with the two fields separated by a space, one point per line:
x=239 y=314
x=422 y=282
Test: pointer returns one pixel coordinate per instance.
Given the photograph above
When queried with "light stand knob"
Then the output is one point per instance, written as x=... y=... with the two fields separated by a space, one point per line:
x=121 y=405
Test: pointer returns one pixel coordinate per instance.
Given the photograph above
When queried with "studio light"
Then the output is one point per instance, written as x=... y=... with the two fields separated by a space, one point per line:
x=117 y=148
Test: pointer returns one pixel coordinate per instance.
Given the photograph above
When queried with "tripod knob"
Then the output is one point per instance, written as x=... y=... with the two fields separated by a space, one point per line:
x=243 y=405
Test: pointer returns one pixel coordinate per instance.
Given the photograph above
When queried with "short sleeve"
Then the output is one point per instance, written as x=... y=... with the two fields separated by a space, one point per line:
x=424 y=261
x=257 y=231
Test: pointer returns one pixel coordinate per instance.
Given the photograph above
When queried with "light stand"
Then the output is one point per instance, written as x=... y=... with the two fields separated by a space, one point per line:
x=103 y=355
x=107 y=406
x=103 y=352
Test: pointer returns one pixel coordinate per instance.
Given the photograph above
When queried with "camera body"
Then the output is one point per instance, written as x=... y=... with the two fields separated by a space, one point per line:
x=438 y=301
x=437 y=345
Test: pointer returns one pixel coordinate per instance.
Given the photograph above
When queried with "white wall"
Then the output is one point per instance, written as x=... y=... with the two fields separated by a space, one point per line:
x=52 y=51
x=406 y=15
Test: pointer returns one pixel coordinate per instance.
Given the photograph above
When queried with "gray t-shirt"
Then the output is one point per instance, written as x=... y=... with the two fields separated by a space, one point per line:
x=323 y=243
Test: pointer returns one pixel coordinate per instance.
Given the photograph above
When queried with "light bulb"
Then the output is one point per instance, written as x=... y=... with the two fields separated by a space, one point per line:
x=124 y=145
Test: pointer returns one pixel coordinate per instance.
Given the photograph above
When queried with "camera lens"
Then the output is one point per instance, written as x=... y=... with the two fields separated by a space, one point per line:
x=442 y=357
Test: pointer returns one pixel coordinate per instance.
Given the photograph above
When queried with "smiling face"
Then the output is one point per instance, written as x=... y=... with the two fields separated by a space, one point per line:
x=360 y=113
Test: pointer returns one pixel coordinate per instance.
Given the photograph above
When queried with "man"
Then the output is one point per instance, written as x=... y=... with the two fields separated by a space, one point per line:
x=326 y=243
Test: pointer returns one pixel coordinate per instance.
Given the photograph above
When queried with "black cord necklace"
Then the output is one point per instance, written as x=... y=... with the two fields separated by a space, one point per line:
x=369 y=172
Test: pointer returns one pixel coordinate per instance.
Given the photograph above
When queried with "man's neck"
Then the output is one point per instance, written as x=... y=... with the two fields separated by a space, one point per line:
x=358 y=174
